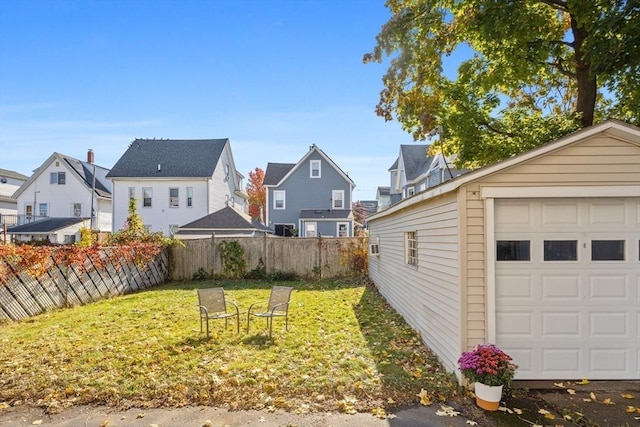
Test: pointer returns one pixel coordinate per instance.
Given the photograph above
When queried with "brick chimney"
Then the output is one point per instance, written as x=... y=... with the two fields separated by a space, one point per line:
x=90 y=156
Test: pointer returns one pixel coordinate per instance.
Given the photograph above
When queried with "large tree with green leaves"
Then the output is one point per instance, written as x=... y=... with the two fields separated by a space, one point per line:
x=537 y=70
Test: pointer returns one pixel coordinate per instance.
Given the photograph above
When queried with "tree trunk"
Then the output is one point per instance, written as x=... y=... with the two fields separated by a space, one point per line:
x=587 y=85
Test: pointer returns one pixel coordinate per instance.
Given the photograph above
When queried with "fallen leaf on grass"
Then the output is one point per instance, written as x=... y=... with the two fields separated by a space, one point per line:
x=105 y=423
x=571 y=391
x=548 y=415
x=473 y=423
x=425 y=399
x=505 y=409
x=37 y=422
x=627 y=395
x=447 y=411
x=141 y=415
x=593 y=396
x=583 y=382
x=608 y=401
x=517 y=411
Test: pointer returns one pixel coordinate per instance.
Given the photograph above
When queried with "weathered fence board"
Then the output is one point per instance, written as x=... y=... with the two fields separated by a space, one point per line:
x=23 y=296
x=304 y=256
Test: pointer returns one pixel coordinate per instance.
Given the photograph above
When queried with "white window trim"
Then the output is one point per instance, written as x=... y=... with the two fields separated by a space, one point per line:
x=150 y=198
x=311 y=164
x=189 y=192
x=409 y=260
x=374 y=247
x=73 y=211
x=275 y=199
x=315 y=229
x=132 y=193
x=334 y=198
x=177 y=205
x=346 y=224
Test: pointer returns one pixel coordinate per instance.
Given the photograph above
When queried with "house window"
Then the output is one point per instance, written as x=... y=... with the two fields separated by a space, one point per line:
x=315 y=171
x=76 y=209
x=57 y=178
x=410 y=191
x=343 y=229
x=173 y=229
x=279 y=199
x=174 y=200
x=286 y=230
x=147 y=196
x=513 y=250
x=337 y=198
x=411 y=248
x=374 y=247
x=226 y=172
x=69 y=239
x=28 y=210
x=560 y=250
x=189 y=197
x=43 y=209
x=132 y=193
x=310 y=229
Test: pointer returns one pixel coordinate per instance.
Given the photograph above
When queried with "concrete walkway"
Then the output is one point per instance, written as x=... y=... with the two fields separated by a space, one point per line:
x=418 y=416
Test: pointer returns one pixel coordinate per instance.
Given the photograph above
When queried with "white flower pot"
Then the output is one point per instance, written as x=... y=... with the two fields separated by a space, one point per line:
x=488 y=396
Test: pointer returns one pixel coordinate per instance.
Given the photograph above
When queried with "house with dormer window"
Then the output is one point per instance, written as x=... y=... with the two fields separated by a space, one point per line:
x=309 y=198
x=61 y=196
x=175 y=182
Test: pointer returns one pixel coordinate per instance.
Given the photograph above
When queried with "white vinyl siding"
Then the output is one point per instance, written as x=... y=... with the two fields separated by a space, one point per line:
x=427 y=297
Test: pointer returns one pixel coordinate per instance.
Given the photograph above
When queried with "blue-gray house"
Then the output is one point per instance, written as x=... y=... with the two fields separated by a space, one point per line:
x=309 y=198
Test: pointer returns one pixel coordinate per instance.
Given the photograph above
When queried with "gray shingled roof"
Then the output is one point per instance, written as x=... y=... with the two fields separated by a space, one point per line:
x=44 y=226
x=415 y=160
x=225 y=218
x=85 y=171
x=325 y=213
x=176 y=157
x=384 y=191
x=275 y=172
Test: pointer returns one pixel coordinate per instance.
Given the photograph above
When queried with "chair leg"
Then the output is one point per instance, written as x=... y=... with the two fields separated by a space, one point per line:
x=248 y=321
x=238 y=324
x=207 y=327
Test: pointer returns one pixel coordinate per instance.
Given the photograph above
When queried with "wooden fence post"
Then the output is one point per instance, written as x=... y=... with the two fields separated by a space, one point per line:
x=265 y=259
x=213 y=253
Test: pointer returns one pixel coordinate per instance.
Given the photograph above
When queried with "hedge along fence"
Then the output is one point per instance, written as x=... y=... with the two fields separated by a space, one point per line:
x=24 y=294
x=305 y=256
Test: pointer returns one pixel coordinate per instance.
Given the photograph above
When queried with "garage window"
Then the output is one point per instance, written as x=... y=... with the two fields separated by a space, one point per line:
x=560 y=250
x=607 y=250
x=513 y=250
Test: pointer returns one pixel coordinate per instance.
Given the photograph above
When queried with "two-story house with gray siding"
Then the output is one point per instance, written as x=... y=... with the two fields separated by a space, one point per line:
x=310 y=198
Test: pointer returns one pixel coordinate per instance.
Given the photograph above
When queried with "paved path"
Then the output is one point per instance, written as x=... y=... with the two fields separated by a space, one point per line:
x=418 y=416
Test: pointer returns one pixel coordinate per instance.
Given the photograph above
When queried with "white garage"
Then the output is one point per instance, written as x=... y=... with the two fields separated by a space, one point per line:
x=567 y=286
x=539 y=254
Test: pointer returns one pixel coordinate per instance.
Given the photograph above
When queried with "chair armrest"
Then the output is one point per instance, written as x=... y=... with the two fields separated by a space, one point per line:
x=236 y=307
x=275 y=307
x=257 y=304
x=203 y=308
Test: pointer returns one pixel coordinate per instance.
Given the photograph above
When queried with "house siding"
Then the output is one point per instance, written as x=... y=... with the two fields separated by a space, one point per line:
x=304 y=192
x=427 y=296
x=160 y=216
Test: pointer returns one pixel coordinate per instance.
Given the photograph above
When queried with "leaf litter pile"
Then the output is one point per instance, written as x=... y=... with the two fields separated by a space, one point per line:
x=346 y=350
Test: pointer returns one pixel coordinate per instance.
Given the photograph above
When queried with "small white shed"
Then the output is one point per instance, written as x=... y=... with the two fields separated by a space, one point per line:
x=539 y=254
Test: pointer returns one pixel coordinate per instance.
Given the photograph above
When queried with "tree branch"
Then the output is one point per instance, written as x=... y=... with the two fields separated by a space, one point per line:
x=557 y=4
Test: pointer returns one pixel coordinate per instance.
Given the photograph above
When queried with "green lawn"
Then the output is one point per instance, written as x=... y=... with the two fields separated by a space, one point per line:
x=346 y=349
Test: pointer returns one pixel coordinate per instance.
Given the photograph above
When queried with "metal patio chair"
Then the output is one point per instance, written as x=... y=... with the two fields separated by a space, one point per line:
x=278 y=306
x=213 y=305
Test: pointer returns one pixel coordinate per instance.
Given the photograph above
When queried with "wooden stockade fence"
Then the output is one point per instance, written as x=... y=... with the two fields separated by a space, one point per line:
x=24 y=296
x=306 y=256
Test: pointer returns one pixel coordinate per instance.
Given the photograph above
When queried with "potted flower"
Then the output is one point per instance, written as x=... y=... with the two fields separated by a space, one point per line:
x=490 y=369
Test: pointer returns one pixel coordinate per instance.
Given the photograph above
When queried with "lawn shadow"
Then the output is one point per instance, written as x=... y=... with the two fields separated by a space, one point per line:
x=259 y=341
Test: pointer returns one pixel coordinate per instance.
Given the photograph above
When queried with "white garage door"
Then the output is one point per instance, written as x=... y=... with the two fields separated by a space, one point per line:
x=568 y=287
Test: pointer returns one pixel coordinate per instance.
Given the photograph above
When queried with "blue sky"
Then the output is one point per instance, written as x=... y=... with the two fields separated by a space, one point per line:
x=273 y=76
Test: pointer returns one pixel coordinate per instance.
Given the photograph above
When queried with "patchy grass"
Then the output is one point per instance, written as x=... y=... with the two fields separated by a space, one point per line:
x=346 y=349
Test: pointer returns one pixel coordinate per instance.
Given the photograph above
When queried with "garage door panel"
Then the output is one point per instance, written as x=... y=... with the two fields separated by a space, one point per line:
x=515 y=287
x=604 y=325
x=564 y=324
x=561 y=360
x=610 y=213
x=610 y=287
x=560 y=286
x=576 y=318
x=555 y=213
x=516 y=324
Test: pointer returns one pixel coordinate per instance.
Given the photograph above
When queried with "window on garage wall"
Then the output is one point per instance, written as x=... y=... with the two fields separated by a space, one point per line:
x=560 y=250
x=411 y=248
x=513 y=250
x=607 y=250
